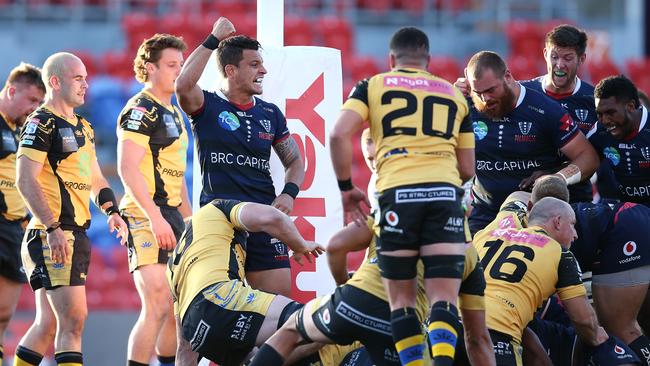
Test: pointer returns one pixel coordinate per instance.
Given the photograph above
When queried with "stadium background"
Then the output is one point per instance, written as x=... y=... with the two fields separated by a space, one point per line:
x=106 y=33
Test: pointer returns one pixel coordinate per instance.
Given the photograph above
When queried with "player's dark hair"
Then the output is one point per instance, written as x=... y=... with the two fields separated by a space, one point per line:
x=567 y=36
x=484 y=60
x=231 y=50
x=25 y=74
x=410 y=43
x=619 y=87
x=151 y=50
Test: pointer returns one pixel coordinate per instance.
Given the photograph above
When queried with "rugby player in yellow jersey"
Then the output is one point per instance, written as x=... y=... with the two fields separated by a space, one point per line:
x=57 y=173
x=425 y=150
x=22 y=93
x=151 y=150
x=524 y=266
x=359 y=310
x=218 y=315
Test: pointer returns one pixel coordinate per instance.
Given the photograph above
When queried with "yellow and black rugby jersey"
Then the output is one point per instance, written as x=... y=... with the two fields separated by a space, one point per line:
x=12 y=206
x=67 y=150
x=368 y=279
x=158 y=128
x=522 y=267
x=417 y=120
x=211 y=250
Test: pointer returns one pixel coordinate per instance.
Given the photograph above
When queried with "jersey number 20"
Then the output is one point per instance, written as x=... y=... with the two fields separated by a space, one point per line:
x=410 y=108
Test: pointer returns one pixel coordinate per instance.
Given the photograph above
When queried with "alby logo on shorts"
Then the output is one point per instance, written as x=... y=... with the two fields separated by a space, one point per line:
x=629 y=248
x=391 y=218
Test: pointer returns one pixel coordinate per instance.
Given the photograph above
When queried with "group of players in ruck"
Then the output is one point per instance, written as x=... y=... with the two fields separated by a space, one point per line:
x=533 y=271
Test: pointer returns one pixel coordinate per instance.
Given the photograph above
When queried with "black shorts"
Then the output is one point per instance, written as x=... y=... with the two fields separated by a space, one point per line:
x=506 y=351
x=141 y=244
x=219 y=332
x=419 y=214
x=11 y=265
x=625 y=245
x=351 y=314
x=43 y=273
x=265 y=252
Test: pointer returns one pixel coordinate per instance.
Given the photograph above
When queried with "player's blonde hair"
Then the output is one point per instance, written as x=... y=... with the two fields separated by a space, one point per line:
x=55 y=66
x=151 y=50
x=25 y=74
x=550 y=186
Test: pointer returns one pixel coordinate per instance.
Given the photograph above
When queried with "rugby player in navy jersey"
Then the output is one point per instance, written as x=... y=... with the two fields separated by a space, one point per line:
x=234 y=132
x=622 y=136
x=564 y=53
x=518 y=134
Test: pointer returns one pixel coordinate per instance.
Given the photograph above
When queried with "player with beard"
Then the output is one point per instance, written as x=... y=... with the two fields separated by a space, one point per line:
x=622 y=135
x=518 y=133
x=22 y=93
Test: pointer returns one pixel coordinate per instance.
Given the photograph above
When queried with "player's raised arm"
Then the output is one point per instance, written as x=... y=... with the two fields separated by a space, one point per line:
x=257 y=217
x=190 y=95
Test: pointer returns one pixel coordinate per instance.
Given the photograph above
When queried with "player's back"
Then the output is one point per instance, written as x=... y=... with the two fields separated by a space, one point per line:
x=417 y=120
x=522 y=267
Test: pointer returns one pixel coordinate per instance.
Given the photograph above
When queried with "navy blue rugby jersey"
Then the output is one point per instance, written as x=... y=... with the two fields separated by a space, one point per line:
x=593 y=220
x=582 y=108
x=629 y=159
x=234 y=147
x=513 y=147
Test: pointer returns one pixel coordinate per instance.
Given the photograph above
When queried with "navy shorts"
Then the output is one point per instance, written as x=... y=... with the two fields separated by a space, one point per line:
x=265 y=252
x=11 y=265
x=479 y=219
x=625 y=246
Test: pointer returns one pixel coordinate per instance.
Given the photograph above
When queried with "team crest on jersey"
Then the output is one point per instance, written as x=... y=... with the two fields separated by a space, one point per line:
x=645 y=151
x=612 y=154
x=266 y=124
x=582 y=114
x=480 y=129
x=137 y=113
x=228 y=121
x=525 y=127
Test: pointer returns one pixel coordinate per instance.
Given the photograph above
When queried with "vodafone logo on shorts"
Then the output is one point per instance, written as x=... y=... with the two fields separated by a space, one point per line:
x=391 y=218
x=629 y=248
x=619 y=350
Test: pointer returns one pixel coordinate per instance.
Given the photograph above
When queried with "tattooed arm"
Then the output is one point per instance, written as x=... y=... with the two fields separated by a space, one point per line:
x=294 y=171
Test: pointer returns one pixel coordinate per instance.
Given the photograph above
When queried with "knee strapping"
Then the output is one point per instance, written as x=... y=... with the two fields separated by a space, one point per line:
x=397 y=268
x=443 y=266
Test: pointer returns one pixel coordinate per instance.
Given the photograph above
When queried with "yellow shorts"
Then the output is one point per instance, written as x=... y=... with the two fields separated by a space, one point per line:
x=142 y=245
x=42 y=272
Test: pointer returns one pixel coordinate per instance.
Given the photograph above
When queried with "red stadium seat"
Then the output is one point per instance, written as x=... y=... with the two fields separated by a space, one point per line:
x=524 y=67
x=362 y=67
x=26 y=300
x=119 y=64
x=139 y=22
x=297 y=32
x=525 y=38
x=376 y=6
x=446 y=68
x=601 y=70
x=228 y=9
x=336 y=33
x=413 y=6
x=89 y=61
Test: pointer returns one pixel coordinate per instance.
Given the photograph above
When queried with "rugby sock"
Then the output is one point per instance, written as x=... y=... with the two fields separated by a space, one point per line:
x=267 y=356
x=1 y=354
x=407 y=336
x=69 y=358
x=166 y=360
x=135 y=363
x=641 y=346
x=444 y=328
x=26 y=357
